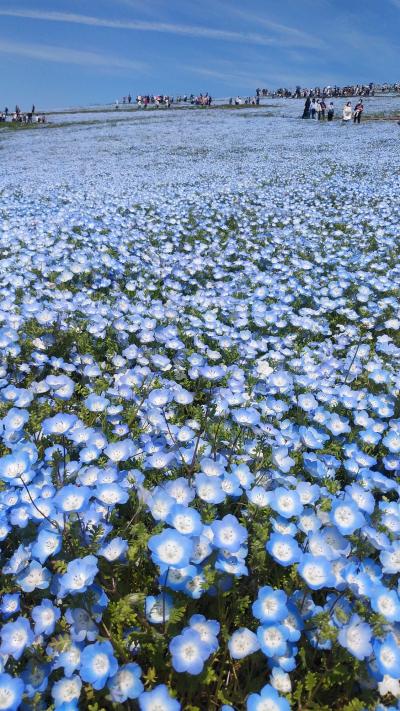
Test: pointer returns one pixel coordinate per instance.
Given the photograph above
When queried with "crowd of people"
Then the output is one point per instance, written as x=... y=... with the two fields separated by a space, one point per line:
x=23 y=117
x=247 y=101
x=319 y=109
x=157 y=100
x=195 y=100
x=331 y=91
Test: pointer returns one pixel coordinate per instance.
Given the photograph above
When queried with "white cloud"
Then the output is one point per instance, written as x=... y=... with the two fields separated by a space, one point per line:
x=66 y=55
x=146 y=26
x=290 y=35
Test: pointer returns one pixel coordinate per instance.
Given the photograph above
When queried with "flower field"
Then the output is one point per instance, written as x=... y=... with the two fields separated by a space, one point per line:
x=200 y=415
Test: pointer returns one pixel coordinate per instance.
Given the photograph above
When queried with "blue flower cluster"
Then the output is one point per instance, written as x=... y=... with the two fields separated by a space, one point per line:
x=200 y=441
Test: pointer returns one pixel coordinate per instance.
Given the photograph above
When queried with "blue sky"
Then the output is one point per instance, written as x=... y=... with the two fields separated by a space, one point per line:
x=69 y=52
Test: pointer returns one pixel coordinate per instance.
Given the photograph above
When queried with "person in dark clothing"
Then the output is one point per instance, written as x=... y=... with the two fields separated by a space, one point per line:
x=33 y=109
x=129 y=98
x=331 y=111
x=323 y=109
x=358 y=111
x=306 y=112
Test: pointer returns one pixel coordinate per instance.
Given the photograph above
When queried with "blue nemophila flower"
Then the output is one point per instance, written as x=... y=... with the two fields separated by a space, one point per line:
x=281 y=459
x=80 y=574
x=66 y=691
x=48 y=543
x=270 y=605
x=98 y=663
x=392 y=441
x=120 y=451
x=207 y=629
x=242 y=643
x=160 y=504
x=316 y=571
x=307 y=402
x=309 y=493
x=212 y=467
x=126 y=683
x=229 y=534
x=356 y=637
x=267 y=700
x=15 y=466
x=293 y=623
x=180 y=490
x=177 y=578
x=33 y=577
x=15 y=637
x=386 y=603
x=212 y=372
x=284 y=549
x=189 y=652
x=182 y=396
x=159 y=397
x=11 y=691
x=209 y=489
x=280 y=680
x=114 y=549
x=246 y=416
x=346 y=516
x=272 y=639
x=45 y=617
x=5 y=528
x=96 y=403
x=338 y=425
x=15 y=419
x=364 y=499
x=111 y=494
x=185 y=520
x=171 y=548
x=82 y=625
x=72 y=498
x=312 y=437
x=59 y=424
x=387 y=655
x=390 y=558
x=69 y=660
x=258 y=496
x=10 y=604
x=158 y=698
x=18 y=560
x=286 y=502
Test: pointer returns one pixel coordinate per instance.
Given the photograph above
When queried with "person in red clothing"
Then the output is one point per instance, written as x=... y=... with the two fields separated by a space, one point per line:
x=358 y=111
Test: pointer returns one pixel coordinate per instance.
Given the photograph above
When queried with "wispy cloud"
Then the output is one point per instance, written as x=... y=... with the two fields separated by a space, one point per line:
x=146 y=26
x=289 y=34
x=65 y=55
x=228 y=73
x=229 y=78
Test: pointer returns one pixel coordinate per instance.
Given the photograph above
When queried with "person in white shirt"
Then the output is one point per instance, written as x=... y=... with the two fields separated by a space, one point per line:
x=347 y=112
x=313 y=108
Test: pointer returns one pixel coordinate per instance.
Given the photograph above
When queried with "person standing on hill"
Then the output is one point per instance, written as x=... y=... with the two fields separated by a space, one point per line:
x=347 y=112
x=358 y=111
x=306 y=112
x=313 y=108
